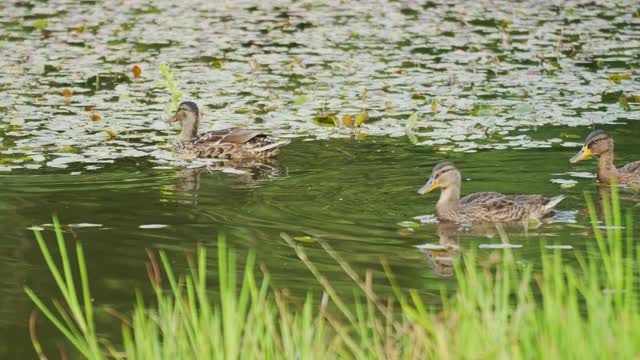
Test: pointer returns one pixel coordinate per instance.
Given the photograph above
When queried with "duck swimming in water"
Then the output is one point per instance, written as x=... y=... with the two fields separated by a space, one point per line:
x=600 y=144
x=232 y=143
x=484 y=206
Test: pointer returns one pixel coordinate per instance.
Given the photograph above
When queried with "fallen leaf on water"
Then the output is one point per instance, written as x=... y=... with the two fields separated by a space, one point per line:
x=88 y=108
x=112 y=135
x=360 y=118
x=96 y=117
x=347 y=120
x=136 y=71
x=434 y=105
x=619 y=77
x=67 y=93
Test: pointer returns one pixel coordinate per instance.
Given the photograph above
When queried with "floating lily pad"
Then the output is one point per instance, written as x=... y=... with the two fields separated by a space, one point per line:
x=302 y=99
x=523 y=108
x=153 y=226
x=483 y=110
x=305 y=239
x=411 y=224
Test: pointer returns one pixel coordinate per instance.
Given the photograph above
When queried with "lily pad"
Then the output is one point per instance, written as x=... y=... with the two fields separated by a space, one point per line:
x=305 y=239
x=483 y=110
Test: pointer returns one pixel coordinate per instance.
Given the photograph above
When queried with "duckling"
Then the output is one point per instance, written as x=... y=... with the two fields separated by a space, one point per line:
x=484 y=206
x=232 y=143
x=600 y=144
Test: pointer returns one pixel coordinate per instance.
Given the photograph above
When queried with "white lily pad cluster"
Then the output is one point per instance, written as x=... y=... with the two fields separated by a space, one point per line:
x=478 y=75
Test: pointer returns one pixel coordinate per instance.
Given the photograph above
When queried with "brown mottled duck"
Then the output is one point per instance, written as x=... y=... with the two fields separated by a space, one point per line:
x=485 y=206
x=232 y=143
x=600 y=144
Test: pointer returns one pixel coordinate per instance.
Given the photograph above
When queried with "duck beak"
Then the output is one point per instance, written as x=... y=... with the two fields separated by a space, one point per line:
x=172 y=120
x=429 y=186
x=583 y=154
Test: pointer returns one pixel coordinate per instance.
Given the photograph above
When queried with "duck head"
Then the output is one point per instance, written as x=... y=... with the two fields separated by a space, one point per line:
x=444 y=175
x=188 y=116
x=597 y=143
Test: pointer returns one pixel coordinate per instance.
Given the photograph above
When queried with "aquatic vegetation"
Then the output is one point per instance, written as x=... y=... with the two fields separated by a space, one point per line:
x=409 y=128
x=478 y=59
x=500 y=309
x=40 y=24
x=171 y=85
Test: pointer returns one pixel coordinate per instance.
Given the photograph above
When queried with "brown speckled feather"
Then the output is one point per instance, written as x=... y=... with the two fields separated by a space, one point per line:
x=482 y=206
x=630 y=174
x=496 y=207
x=231 y=143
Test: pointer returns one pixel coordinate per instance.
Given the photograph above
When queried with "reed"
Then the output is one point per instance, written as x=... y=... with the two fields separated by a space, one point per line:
x=504 y=310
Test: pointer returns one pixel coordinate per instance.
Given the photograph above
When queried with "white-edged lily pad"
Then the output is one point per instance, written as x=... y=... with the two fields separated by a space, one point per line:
x=153 y=226
x=500 y=246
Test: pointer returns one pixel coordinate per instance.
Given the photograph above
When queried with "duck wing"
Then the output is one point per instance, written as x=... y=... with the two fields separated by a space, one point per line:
x=241 y=136
x=492 y=206
x=631 y=168
x=233 y=142
x=234 y=135
x=211 y=137
x=481 y=198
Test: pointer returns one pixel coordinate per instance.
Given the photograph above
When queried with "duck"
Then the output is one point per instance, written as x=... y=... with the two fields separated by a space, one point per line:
x=482 y=207
x=233 y=143
x=600 y=144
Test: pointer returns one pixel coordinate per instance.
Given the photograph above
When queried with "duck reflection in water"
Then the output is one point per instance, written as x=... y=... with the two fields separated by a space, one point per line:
x=247 y=174
x=448 y=249
x=442 y=255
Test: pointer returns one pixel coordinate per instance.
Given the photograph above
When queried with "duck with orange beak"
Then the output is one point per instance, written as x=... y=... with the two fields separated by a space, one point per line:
x=484 y=206
x=600 y=144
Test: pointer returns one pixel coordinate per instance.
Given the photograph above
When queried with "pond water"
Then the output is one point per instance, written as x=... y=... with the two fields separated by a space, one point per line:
x=506 y=91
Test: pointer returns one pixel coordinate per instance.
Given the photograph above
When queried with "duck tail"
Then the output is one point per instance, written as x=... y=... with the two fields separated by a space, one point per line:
x=549 y=205
x=272 y=146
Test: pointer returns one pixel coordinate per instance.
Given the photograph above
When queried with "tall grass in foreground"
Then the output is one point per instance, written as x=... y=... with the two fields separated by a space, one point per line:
x=505 y=310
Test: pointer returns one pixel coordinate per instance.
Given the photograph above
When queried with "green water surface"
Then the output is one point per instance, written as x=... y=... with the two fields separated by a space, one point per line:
x=516 y=87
